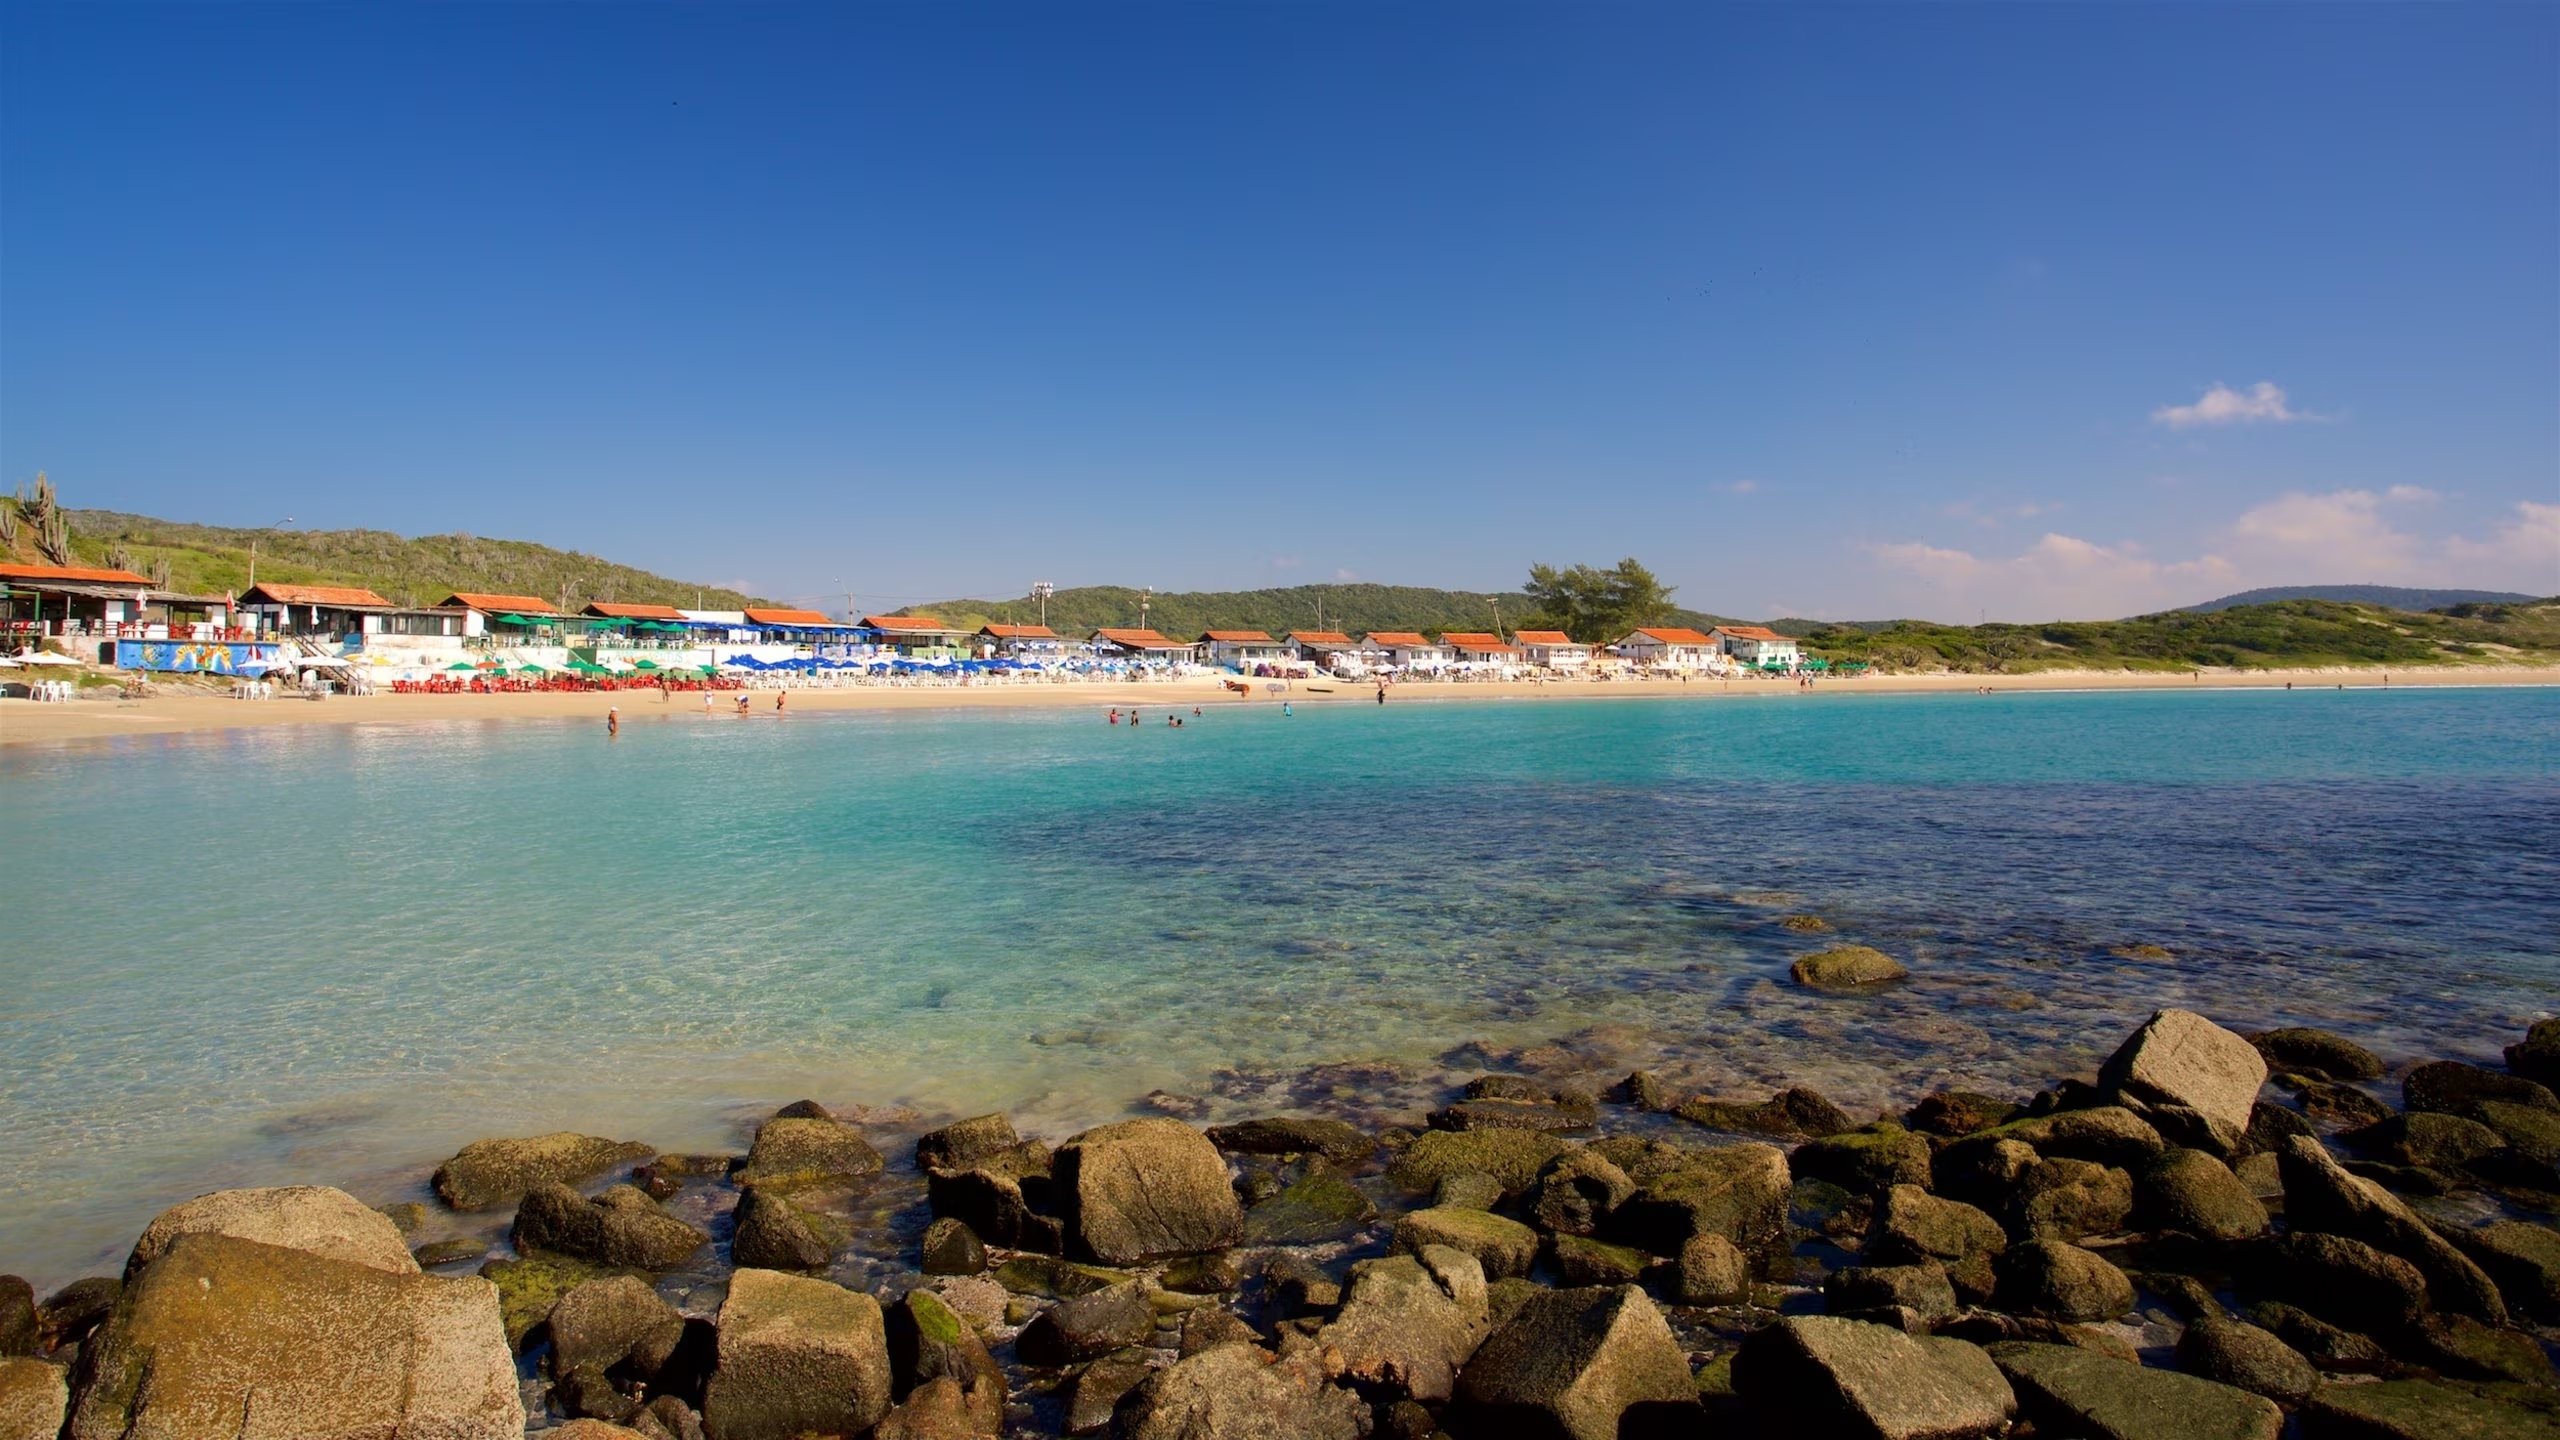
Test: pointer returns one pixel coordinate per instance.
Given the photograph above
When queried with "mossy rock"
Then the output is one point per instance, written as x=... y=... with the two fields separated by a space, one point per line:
x=1055 y=1279
x=2423 y=1410
x=1320 y=1208
x=1847 y=967
x=1503 y=1247
x=2147 y=953
x=529 y=1286
x=1805 y=924
x=1513 y=1157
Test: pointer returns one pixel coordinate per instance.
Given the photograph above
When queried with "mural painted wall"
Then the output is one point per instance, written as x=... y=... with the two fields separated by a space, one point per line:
x=207 y=657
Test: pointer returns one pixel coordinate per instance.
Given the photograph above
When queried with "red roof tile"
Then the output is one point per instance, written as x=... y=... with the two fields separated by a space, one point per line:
x=1542 y=637
x=1676 y=637
x=609 y=611
x=1142 y=640
x=1019 y=632
x=1321 y=637
x=342 y=596
x=905 y=624
x=1469 y=637
x=789 y=617
x=1749 y=632
x=496 y=604
x=70 y=575
x=1399 y=639
x=1238 y=637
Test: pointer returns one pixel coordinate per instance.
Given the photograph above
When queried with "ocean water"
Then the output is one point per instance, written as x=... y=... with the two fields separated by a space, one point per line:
x=334 y=954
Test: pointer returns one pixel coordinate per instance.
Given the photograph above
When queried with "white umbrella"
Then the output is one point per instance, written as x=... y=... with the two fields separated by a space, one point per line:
x=310 y=661
x=45 y=657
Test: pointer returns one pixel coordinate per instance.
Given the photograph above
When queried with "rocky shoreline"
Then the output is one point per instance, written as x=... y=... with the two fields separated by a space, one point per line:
x=2213 y=1235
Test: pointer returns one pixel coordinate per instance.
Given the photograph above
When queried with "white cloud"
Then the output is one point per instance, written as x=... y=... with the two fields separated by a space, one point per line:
x=2342 y=537
x=2223 y=405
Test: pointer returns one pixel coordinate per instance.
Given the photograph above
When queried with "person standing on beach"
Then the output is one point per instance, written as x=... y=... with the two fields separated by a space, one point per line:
x=706 y=700
x=778 y=697
x=1382 y=692
x=612 y=722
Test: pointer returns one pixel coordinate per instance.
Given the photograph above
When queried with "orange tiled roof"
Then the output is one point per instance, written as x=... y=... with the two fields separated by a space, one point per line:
x=1469 y=637
x=1400 y=639
x=1542 y=637
x=496 y=604
x=1677 y=637
x=339 y=595
x=1019 y=632
x=1238 y=637
x=1142 y=640
x=609 y=611
x=1320 y=637
x=1749 y=632
x=910 y=623
x=70 y=575
x=788 y=617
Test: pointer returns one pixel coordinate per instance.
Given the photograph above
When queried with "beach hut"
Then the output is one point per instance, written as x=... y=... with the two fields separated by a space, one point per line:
x=1240 y=649
x=1479 y=648
x=1668 y=647
x=1757 y=645
x=506 y=619
x=1552 y=649
x=1022 y=642
x=1128 y=644
x=1407 y=648
x=918 y=635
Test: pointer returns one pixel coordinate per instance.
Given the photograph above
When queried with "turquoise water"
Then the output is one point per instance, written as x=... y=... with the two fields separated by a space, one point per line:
x=336 y=953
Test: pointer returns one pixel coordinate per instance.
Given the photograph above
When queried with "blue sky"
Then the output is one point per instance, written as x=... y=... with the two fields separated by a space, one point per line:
x=1938 y=310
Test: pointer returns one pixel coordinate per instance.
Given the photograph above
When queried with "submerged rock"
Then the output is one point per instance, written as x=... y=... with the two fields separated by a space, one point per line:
x=311 y=1218
x=1576 y=1363
x=620 y=1227
x=1823 y=1377
x=530 y=1285
x=1292 y=1135
x=1146 y=1190
x=1846 y=967
x=486 y=1174
x=1789 y=1112
x=221 y=1326
x=797 y=1355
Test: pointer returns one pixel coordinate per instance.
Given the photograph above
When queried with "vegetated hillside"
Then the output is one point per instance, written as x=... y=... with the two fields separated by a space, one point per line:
x=1352 y=607
x=2288 y=634
x=212 y=560
x=2395 y=597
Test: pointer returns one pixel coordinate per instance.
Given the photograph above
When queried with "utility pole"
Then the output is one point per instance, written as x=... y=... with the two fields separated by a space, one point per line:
x=253 y=555
x=1042 y=589
x=1497 y=615
x=1146 y=593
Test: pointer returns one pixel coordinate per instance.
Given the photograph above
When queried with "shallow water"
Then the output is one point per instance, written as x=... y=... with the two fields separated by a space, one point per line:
x=336 y=953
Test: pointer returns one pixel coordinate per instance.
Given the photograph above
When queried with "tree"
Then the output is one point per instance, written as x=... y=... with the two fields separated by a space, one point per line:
x=1596 y=606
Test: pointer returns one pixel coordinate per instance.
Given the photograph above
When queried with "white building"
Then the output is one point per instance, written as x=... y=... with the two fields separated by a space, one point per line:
x=1756 y=645
x=1553 y=649
x=1408 y=648
x=1242 y=649
x=1668 y=648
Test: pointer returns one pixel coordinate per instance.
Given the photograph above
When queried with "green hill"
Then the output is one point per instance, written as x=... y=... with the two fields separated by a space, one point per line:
x=212 y=560
x=2287 y=634
x=1353 y=608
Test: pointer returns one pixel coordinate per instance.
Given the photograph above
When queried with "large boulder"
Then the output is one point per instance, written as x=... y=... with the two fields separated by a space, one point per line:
x=1846 y=967
x=2191 y=1191
x=2320 y=1196
x=2422 y=1410
x=1514 y=1157
x=964 y=1143
x=614 y=1321
x=791 y=1153
x=1912 y=1225
x=1736 y=1191
x=1577 y=1364
x=1799 y=1111
x=18 y=1325
x=1866 y=1161
x=2065 y=1199
x=2449 y=1086
x=1003 y=1196
x=2441 y=1142
x=486 y=1174
x=929 y=1342
x=2062 y=1282
x=1235 y=1392
x=2346 y=1282
x=1711 y=1270
x=1823 y=1378
x=2181 y=1060
x=221 y=1335
x=2066 y=1390
x=1577 y=1191
x=1408 y=1322
x=620 y=1227
x=2236 y=1353
x=314 y=1219
x=1144 y=1190
x=796 y=1355
x=1321 y=1207
x=2523 y=1259
x=1922 y=1290
x=2537 y=1056
x=1502 y=1247
x=33 y=1399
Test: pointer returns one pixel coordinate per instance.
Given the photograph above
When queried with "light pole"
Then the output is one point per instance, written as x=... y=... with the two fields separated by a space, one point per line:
x=1146 y=593
x=253 y=552
x=1042 y=590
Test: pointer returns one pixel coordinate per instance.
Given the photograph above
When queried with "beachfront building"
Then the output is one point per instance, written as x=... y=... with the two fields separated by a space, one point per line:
x=1757 y=645
x=337 y=614
x=1669 y=648
x=1407 y=649
x=1037 y=643
x=1124 y=644
x=919 y=636
x=797 y=627
x=1241 y=649
x=506 y=619
x=1479 y=648
x=1553 y=649
x=616 y=625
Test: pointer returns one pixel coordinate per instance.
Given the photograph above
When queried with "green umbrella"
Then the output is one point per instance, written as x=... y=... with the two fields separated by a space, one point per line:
x=531 y=669
x=512 y=619
x=588 y=668
x=644 y=664
x=462 y=665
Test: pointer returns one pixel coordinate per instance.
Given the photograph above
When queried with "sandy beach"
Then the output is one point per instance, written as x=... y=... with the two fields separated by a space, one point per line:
x=24 y=722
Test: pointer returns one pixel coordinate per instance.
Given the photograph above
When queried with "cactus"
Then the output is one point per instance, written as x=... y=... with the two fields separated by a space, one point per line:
x=54 y=539
x=160 y=572
x=119 y=558
x=9 y=523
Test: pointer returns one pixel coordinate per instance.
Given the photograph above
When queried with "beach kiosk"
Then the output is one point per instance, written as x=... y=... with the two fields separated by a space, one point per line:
x=1667 y=647
x=1757 y=645
x=1241 y=649
x=1552 y=649
x=1032 y=644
